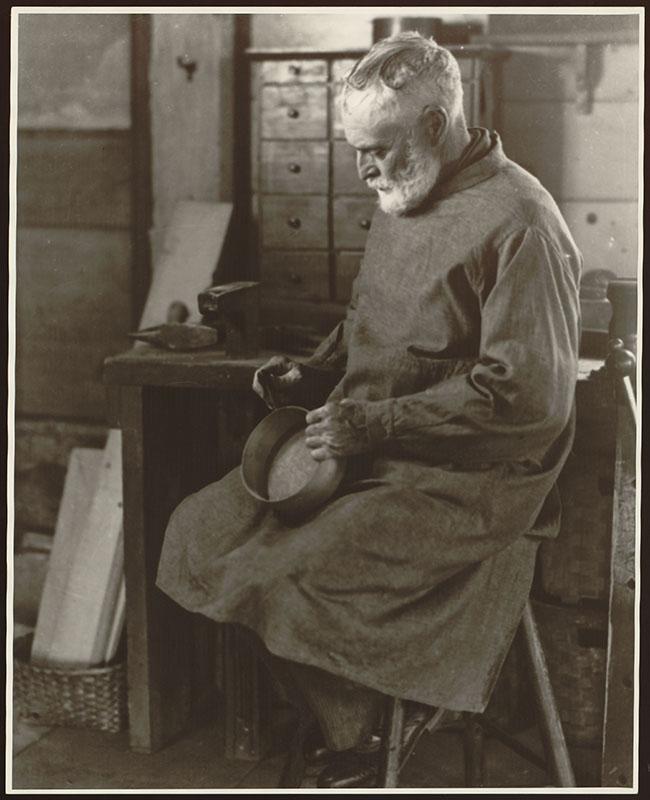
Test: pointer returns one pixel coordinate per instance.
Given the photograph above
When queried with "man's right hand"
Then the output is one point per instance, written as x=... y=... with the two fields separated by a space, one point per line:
x=274 y=380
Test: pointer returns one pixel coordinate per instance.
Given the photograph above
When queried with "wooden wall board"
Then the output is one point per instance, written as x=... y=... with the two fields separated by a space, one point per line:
x=42 y=451
x=192 y=121
x=576 y=156
x=85 y=616
x=535 y=73
x=80 y=482
x=72 y=310
x=606 y=233
x=73 y=71
x=74 y=179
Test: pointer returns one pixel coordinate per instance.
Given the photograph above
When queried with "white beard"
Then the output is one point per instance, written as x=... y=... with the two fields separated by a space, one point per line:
x=409 y=187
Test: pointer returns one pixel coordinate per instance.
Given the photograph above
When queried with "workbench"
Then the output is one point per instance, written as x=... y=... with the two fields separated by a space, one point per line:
x=184 y=419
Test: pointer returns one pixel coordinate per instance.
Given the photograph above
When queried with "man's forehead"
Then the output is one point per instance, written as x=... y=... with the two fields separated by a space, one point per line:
x=369 y=119
x=373 y=112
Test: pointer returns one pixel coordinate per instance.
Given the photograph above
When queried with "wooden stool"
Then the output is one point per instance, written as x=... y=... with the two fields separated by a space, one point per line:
x=475 y=725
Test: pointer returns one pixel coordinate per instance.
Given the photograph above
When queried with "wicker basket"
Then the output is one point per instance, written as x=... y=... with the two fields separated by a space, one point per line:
x=78 y=698
x=575 y=644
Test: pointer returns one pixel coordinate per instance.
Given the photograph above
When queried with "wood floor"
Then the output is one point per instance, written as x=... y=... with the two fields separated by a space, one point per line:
x=77 y=759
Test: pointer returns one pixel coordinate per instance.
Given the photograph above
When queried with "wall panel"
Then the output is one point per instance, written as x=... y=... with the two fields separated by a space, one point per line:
x=72 y=310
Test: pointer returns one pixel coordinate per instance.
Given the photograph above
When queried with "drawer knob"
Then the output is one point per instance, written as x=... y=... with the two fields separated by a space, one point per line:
x=294 y=69
x=295 y=278
x=294 y=222
x=293 y=113
x=295 y=168
x=365 y=224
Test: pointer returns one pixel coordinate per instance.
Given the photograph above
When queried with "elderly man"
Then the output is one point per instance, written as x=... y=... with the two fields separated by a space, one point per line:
x=458 y=360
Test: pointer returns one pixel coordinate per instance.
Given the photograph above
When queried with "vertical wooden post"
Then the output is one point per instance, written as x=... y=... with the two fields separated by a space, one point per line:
x=141 y=162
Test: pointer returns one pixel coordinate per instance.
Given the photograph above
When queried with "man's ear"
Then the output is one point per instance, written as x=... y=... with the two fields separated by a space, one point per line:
x=436 y=121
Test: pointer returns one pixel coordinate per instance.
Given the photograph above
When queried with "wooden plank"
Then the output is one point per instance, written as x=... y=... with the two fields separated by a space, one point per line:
x=618 y=729
x=188 y=258
x=580 y=156
x=74 y=179
x=540 y=72
x=606 y=234
x=84 y=619
x=72 y=310
x=81 y=479
x=148 y=366
x=192 y=121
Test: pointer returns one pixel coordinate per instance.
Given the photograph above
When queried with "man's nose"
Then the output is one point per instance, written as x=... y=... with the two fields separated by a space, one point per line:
x=366 y=168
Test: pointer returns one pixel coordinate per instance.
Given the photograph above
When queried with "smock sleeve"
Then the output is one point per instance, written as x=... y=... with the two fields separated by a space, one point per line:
x=520 y=391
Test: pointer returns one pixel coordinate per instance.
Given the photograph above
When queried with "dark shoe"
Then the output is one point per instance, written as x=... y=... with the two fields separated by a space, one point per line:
x=350 y=769
x=317 y=754
x=359 y=767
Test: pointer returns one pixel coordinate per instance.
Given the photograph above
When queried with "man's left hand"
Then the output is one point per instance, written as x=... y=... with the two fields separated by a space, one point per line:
x=337 y=429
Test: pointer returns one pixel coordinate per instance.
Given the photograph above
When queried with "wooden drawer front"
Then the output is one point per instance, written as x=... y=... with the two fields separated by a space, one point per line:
x=307 y=71
x=300 y=276
x=298 y=222
x=347 y=267
x=346 y=177
x=294 y=112
x=352 y=217
x=295 y=167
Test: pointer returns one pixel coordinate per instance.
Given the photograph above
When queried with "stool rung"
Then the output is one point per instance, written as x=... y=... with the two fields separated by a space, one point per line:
x=512 y=743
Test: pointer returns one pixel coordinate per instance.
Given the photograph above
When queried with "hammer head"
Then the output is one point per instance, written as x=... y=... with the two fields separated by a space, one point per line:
x=234 y=309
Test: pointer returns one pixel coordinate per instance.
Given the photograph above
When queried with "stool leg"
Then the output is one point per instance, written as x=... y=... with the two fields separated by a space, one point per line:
x=550 y=718
x=392 y=744
x=473 y=742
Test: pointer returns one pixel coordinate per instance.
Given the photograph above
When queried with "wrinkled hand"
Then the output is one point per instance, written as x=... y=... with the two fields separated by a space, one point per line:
x=337 y=429
x=274 y=380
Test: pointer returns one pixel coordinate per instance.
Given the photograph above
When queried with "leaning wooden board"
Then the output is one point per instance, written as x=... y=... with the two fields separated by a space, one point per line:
x=85 y=617
x=80 y=482
x=189 y=256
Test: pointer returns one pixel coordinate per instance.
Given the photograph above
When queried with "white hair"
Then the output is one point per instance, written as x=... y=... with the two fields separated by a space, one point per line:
x=409 y=63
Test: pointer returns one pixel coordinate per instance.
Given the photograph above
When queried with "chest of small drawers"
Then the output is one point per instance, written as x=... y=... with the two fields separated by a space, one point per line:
x=309 y=211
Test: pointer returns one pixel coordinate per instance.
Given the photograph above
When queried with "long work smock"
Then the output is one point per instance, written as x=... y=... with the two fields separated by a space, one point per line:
x=463 y=336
